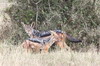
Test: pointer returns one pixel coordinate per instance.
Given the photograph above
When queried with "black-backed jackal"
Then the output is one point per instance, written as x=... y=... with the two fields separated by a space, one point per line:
x=37 y=44
x=45 y=34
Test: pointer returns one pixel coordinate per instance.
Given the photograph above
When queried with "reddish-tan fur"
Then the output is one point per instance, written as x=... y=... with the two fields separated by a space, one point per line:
x=29 y=45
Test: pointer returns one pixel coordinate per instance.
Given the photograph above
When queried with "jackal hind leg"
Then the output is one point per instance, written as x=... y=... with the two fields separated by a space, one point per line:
x=45 y=48
x=37 y=48
x=60 y=44
x=67 y=47
x=29 y=50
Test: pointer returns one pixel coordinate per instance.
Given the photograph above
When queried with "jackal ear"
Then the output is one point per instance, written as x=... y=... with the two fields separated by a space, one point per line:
x=23 y=24
x=33 y=24
x=52 y=33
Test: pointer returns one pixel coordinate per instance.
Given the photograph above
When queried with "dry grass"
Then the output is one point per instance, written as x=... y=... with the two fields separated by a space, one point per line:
x=8 y=28
x=17 y=56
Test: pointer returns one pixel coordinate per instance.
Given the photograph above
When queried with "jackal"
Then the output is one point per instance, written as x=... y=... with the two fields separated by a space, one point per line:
x=45 y=34
x=37 y=44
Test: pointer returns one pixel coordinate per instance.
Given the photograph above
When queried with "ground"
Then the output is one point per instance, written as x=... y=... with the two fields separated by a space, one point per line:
x=17 y=56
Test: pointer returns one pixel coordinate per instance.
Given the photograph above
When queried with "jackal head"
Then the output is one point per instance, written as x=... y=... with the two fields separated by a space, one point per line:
x=28 y=28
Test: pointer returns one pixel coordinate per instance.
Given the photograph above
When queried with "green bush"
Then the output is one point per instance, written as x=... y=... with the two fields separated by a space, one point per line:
x=77 y=17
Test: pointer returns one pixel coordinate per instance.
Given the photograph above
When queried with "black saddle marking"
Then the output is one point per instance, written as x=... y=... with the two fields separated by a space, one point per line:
x=39 y=40
x=35 y=40
x=58 y=31
x=44 y=33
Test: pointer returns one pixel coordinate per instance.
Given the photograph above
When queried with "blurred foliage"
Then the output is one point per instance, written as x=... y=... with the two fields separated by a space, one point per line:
x=77 y=17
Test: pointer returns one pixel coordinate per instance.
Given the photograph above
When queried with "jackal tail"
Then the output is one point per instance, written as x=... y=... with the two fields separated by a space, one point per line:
x=71 y=39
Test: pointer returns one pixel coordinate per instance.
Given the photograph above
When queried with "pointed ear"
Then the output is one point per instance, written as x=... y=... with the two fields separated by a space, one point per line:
x=22 y=23
x=53 y=33
x=33 y=24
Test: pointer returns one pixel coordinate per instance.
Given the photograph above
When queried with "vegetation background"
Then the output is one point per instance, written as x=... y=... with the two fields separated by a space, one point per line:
x=79 y=18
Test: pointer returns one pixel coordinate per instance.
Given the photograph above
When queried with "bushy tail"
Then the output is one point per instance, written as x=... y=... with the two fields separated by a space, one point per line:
x=71 y=39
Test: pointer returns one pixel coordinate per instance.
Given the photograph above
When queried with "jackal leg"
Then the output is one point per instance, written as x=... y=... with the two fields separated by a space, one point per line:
x=66 y=46
x=63 y=45
x=60 y=44
x=36 y=47
x=46 y=48
x=26 y=45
